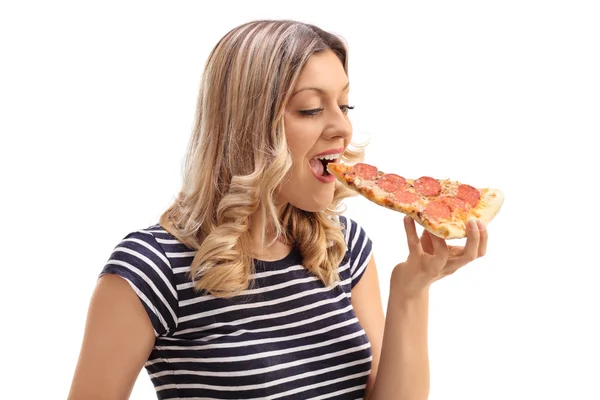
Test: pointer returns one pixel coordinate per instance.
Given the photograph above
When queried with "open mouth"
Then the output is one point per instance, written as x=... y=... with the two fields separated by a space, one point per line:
x=319 y=164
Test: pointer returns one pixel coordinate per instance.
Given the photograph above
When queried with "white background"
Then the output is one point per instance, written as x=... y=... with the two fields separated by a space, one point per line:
x=97 y=101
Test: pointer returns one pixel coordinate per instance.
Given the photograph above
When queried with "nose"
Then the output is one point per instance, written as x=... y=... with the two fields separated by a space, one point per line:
x=338 y=126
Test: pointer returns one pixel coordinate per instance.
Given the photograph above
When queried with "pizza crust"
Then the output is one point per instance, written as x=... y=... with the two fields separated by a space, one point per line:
x=489 y=205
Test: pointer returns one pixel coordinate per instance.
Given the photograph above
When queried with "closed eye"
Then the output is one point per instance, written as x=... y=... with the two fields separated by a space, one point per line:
x=313 y=112
x=345 y=108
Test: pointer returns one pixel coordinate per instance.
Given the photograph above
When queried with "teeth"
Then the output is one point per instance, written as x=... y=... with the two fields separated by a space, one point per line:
x=329 y=157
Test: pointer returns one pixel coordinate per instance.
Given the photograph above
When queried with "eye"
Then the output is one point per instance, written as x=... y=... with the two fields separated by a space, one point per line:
x=313 y=112
x=345 y=108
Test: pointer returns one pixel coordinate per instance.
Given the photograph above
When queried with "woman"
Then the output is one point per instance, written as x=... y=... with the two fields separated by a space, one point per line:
x=252 y=285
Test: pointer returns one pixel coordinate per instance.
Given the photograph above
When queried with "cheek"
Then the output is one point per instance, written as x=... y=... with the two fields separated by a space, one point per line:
x=301 y=136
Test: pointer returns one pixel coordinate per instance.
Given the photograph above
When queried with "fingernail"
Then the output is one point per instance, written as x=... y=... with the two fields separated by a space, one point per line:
x=481 y=225
x=473 y=224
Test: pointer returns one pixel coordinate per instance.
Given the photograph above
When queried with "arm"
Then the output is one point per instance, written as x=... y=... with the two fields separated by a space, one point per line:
x=366 y=301
x=404 y=366
x=117 y=341
x=402 y=370
x=400 y=363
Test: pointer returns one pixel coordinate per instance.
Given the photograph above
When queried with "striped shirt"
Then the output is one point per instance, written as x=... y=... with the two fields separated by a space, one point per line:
x=287 y=337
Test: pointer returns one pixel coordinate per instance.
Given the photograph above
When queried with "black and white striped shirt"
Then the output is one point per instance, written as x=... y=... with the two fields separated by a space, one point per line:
x=288 y=337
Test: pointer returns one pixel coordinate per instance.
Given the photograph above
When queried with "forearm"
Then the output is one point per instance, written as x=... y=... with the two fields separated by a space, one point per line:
x=403 y=372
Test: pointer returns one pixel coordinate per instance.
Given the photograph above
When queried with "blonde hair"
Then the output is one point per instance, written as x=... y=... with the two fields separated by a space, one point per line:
x=238 y=158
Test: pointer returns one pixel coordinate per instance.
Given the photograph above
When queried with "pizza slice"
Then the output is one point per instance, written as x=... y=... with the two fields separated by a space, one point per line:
x=441 y=206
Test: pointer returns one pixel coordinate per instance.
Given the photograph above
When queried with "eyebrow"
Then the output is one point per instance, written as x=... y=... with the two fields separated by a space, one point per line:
x=317 y=89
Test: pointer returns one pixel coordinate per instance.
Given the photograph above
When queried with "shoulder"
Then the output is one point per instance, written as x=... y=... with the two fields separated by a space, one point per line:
x=147 y=260
x=353 y=231
x=154 y=241
x=155 y=234
x=359 y=248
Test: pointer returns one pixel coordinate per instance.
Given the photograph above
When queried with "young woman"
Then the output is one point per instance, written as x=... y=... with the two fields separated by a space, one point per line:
x=253 y=285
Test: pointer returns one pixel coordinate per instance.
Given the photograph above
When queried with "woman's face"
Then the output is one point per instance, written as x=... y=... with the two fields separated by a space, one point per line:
x=317 y=130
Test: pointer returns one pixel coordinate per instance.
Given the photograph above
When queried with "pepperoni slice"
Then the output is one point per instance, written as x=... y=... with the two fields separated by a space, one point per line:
x=468 y=194
x=437 y=211
x=402 y=196
x=428 y=186
x=391 y=182
x=365 y=171
x=454 y=203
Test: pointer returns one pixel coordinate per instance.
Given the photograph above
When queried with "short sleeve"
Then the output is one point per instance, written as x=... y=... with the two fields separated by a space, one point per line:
x=140 y=260
x=359 y=248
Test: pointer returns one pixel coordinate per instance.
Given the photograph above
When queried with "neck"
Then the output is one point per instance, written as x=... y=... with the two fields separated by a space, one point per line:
x=266 y=246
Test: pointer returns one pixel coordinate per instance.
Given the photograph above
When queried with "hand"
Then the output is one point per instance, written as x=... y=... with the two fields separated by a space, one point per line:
x=430 y=258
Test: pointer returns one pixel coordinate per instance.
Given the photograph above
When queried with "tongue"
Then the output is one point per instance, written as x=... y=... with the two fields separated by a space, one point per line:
x=317 y=166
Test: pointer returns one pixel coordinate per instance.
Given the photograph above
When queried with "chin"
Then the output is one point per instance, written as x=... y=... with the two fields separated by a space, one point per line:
x=313 y=204
x=313 y=209
x=307 y=195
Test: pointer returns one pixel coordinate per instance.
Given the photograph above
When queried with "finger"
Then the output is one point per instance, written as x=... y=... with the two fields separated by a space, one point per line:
x=456 y=259
x=483 y=238
x=411 y=235
x=455 y=251
x=426 y=242
x=472 y=246
x=440 y=248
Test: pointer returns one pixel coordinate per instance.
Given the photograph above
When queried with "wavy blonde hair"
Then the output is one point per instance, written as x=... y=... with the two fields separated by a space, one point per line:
x=238 y=158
